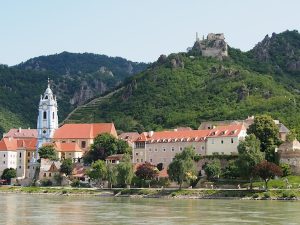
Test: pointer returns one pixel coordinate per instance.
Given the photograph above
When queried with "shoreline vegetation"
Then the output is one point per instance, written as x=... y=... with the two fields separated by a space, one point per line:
x=167 y=193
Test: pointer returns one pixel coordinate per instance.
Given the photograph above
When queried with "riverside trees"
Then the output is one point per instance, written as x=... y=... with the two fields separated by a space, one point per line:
x=182 y=168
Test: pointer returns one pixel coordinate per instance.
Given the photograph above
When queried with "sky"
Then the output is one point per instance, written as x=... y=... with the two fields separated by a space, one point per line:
x=138 y=30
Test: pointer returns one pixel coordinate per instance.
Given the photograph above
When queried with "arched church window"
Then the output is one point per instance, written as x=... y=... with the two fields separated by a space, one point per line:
x=45 y=115
x=53 y=115
x=46 y=97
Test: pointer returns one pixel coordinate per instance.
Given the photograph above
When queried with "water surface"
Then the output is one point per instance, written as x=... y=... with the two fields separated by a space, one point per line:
x=48 y=209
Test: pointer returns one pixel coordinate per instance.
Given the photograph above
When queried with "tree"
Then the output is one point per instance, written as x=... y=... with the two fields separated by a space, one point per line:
x=286 y=169
x=182 y=168
x=146 y=171
x=111 y=175
x=232 y=170
x=125 y=171
x=249 y=156
x=213 y=169
x=267 y=170
x=9 y=173
x=291 y=136
x=67 y=167
x=105 y=145
x=265 y=129
x=98 y=171
x=48 y=152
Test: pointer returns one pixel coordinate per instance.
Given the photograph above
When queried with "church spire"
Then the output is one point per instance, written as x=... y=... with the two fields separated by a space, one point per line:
x=48 y=82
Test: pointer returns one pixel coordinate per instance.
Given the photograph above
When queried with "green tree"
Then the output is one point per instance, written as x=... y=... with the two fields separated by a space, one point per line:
x=292 y=135
x=249 y=156
x=125 y=171
x=98 y=171
x=8 y=174
x=67 y=167
x=105 y=145
x=267 y=170
x=48 y=152
x=265 y=129
x=286 y=169
x=213 y=169
x=112 y=174
x=231 y=171
x=182 y=168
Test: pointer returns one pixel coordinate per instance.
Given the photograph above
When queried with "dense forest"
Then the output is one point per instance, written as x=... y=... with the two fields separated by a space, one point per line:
x=184 y=89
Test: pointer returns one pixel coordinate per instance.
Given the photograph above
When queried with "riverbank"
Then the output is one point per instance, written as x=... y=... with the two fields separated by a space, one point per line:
x=274 y=194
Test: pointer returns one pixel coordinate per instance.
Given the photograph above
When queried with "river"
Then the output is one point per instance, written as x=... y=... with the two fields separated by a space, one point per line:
x=47 y=209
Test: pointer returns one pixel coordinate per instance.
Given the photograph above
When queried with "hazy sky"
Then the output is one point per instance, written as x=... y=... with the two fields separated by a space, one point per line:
x=139 y=30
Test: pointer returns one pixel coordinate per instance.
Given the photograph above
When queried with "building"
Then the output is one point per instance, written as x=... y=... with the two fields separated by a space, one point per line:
x=289 y=153
x=161 y=147
x=19 y=147
x=82 y=135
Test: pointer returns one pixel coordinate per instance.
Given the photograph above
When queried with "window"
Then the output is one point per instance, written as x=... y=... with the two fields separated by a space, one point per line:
x=164 y=149
x=28 y=154
x=156 y=149
x=63 y=142
x=53 y=115
x=180 y=149
x=46 y=97
x=4 y=155
x=49 y=174
x=70 y=153
x=231 y=140
x=202 y=147
x=27 y=167
x=222 y=142
x=150 y=160
x=83 y=144
x=20 y=155
x=140 y=144
x=142 y=160
x=136 y=153
x=73 y=141
x=19 y=167
x=3 y=162
x=44 y=174
x=137 y=160
x=173 y=149
x=28 y=160
x=44 y=115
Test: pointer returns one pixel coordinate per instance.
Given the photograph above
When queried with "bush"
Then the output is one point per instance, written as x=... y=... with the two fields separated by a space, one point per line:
x=292 y=195
x=75 y=183
x=46 y=183
x=267 y=195
x=64 y=192
x=286 y=169
x=285 y=194
x=255 y=195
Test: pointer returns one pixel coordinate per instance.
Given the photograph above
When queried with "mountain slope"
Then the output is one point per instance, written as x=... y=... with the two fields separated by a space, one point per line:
x=205 y=89
x=75 y=79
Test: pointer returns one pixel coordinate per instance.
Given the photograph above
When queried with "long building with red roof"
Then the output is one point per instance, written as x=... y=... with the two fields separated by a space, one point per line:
x=161 y=147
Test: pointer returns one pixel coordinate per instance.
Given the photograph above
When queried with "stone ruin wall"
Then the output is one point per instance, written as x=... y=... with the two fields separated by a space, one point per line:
x=292 y=158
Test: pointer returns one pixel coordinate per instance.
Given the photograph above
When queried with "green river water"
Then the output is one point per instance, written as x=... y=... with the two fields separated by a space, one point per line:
x=48 y=209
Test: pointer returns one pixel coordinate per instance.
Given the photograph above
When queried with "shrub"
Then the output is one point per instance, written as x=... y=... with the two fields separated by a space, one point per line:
x=64 y=192
x=75 y=183
x=285 y=194
x=267 y=195
x=292 y=195
x=46 y=183
x=255 y=195
x=286 y=169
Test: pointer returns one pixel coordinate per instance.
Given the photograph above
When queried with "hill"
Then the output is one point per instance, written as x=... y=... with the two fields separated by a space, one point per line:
x=75 y=79
x=184 y=89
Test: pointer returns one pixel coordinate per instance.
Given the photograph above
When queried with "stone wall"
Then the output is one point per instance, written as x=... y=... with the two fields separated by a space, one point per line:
x=292 y=158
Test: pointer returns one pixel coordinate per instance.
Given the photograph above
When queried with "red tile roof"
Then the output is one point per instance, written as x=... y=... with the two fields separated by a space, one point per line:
x=11 y=144
x=8 y=144
x=190 y=135
x=84 y=131
x=67 y=147
x=22 y=133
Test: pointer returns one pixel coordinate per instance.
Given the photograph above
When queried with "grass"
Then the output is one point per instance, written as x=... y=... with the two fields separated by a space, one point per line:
x=280 y=183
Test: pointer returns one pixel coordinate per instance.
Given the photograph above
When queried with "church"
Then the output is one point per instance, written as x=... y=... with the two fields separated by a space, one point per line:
x=19 y=147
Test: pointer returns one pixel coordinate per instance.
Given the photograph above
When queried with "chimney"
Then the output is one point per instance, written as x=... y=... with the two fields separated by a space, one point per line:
x=150 y=133
x=20 y=130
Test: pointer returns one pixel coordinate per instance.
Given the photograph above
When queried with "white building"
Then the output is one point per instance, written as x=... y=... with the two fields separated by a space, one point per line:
x=161 y=147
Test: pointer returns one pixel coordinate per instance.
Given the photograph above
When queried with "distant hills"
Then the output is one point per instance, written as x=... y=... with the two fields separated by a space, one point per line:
x=184 y=89
x=75 y=79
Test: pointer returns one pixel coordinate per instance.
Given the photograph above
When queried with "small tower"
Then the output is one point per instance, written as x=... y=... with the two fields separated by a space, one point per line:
x=47 y=121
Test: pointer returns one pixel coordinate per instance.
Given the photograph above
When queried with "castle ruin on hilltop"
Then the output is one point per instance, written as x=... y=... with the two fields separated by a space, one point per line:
x=213 y=46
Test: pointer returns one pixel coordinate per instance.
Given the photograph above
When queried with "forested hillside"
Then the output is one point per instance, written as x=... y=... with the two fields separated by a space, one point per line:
x=184 y=89
x=75 y=79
